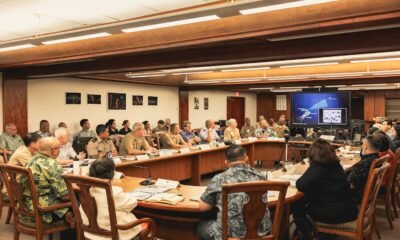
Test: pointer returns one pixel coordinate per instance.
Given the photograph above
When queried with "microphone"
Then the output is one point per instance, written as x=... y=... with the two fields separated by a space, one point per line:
x=147 y=181
x=286 y=135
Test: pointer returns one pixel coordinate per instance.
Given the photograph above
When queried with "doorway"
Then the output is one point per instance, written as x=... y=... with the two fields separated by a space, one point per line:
x=236 y=109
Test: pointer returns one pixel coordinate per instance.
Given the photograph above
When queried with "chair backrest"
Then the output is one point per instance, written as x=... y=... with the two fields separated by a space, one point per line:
x=378 y=162
x=392 y=176
x=11 y=175
x=88 y=204
x=254 y=210
x=370 y=194
x=4 y=155
x=160 y=140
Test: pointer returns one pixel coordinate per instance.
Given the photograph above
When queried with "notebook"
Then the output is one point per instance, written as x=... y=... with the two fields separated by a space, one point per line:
x=168 y=198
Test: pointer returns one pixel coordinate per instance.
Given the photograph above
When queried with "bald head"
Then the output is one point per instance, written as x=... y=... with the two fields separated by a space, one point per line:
x=49 y=146
x=11 y=128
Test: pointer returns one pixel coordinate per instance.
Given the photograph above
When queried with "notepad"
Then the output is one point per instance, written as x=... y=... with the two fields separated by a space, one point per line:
x=168 y=198
x=152 y=189
x=141 y=196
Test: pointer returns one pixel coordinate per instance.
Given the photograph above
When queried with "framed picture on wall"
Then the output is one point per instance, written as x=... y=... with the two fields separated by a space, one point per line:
x=196 y=103
x=152 y=101
x=93 y=99
x=72 y=98
x=116 y=101
x=205 y=103
x=137 y=100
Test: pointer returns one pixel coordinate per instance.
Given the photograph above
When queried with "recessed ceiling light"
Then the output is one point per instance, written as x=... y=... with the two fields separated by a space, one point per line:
x=244 y=69
x=375 y=60
x=72 y=39
x=184 y=73
x=172 y=23
x=369 y=85
x=283 y=6
x=5 y=49
x=261 y=88
x=201 y=82
x=286 y=90
x=309 y=65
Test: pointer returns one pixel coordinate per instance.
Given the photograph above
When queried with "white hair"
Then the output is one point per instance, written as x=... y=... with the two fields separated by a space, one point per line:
x=60 y=132
x=137 y=126
x=231 y=121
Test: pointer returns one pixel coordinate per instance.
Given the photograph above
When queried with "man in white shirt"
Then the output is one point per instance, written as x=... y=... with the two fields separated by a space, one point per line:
x=208 y=134
x=66 y=151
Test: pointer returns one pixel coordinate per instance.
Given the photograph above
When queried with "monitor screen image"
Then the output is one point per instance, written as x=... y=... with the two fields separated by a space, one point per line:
x=320 y=109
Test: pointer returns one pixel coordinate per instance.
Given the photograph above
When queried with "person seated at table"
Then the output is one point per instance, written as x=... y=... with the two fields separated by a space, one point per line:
x=359 y=172
x=373 y=130
x=101 y=145
x=167 y=124
x=112 y=126
x=173 y=139
x=50 y=186
x=385 y=150
x=239 y=171
x=125 y=128
x=160 y=127
x=10 y=140
x=328 y=197
x=377 y=121
x=271 y=122
x=187 y=134
x=135 y=143
x=24 y=153
x=265 y=130
x=281 y=128
x=124 y=203
x=387 y=127
x=66 y=151
x=247 y=130
x=231 y=133
x=147 y=128
x=86 y=131
x=44 y=129
x=258 y=124
x=208 y=134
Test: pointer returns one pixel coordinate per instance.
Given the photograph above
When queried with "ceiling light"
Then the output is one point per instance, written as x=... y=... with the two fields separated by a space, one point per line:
x=184 y=73
x=143 y=76
x=287 y=78
x=340 y=75
x=369 y=85
x=292 y=87
x=5 y=49
x=309 y=65
x=389 y=72
x=72 y=39
x=170 y=24
x=375 y=60
x=368 y=88
x=261 y=88
x=283 y=6
x=335 y=86
x=244 y=69
x=244 y=80
x=286 y=90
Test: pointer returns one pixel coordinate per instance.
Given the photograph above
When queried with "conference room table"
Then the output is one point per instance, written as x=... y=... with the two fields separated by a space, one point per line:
x=193 y=164
x=180 y=221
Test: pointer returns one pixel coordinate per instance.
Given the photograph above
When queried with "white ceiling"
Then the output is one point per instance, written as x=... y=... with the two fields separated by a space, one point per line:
x=26 y=18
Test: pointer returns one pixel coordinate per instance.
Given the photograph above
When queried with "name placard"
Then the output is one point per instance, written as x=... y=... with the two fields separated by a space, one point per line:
x=167 y=183
x=142 y=157
x=184 y=150
x=204 y=146
x=252 y=139
x=221 y=144
x=117 y=160
x=237 y=141
x=165 y=153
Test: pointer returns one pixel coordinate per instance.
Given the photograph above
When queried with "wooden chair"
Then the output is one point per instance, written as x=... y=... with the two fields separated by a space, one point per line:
x=160 y=139
x=396 y=187
x=15 y=192
x=4 y=200
x=80 y=185
x=387 y=196
x=361 y=228
x=254 y=210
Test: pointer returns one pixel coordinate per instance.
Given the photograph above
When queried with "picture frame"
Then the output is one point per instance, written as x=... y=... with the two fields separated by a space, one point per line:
x=72 y=98
x=152 y=101
x=116 y=101
x=93 y=99
x=205 y=103
x=137 y=100
x=196 y=103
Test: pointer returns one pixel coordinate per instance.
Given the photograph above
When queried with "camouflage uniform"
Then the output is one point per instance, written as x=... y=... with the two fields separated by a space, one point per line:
x=280 y=131
x=248 y=131
x=50 y=186
x=265 y=132
x=213 y=197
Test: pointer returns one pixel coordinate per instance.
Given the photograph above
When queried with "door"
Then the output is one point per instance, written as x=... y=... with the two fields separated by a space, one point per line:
x=235 y=109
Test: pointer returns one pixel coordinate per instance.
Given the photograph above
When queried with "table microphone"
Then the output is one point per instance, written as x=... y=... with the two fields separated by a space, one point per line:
x=286 y=135
x=147 y=181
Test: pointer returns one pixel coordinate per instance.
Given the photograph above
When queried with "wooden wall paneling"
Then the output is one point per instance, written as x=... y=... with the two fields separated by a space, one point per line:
x=15 y=103
x=183 y=105
x=380 y=103
x=266 y=105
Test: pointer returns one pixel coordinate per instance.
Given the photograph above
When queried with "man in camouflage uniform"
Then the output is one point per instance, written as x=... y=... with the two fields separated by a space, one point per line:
x=50 y=186
x=99 y=146
x=134 y=143
x=10 y=140
x=239 y=171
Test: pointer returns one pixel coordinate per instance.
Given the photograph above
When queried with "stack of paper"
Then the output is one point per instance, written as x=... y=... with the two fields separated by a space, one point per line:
x=168 y=198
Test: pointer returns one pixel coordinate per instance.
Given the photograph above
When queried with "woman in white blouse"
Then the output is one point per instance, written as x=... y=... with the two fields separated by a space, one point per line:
x=124 y=203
